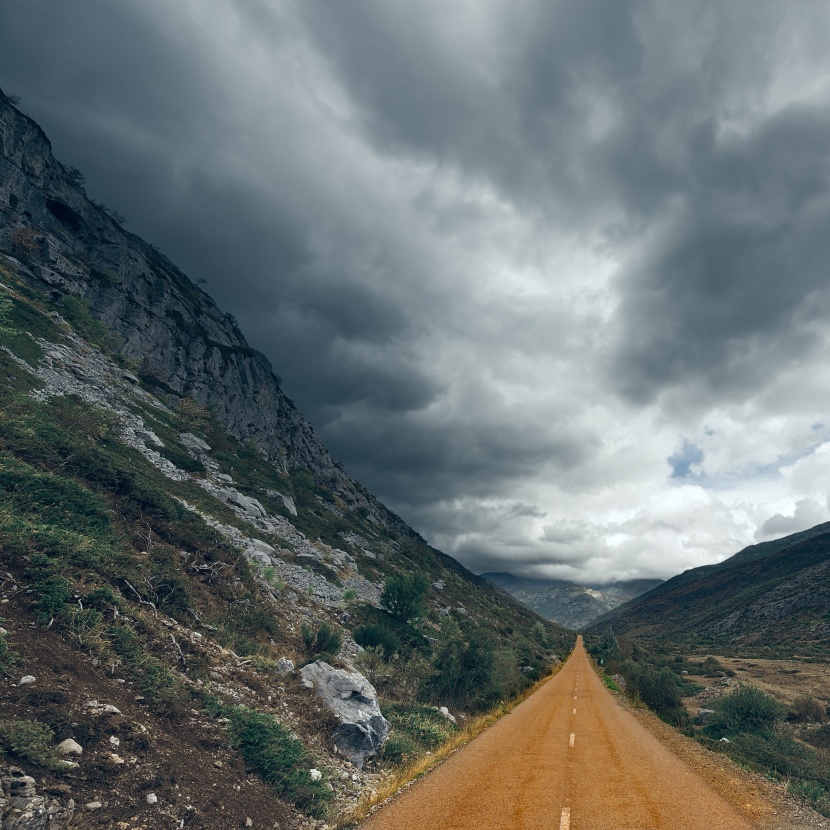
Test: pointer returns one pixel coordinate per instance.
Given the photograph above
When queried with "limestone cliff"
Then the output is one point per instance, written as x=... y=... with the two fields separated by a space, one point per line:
x=160 y=318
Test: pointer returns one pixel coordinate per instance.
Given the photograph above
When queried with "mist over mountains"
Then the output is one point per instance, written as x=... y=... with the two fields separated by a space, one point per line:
x=574 y=606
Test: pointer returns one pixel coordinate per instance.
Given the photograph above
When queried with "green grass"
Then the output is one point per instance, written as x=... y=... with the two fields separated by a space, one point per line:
x=415 y=729
x=283 y=762
x=31 y=741
x=610 y=683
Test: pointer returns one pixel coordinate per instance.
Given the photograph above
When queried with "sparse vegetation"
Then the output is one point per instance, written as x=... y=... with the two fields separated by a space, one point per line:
x=31 y=741
x=325 y=640
x=271 y=751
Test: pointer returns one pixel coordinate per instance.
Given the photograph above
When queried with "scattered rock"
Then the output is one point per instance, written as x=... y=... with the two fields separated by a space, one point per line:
x=705 y=716
x=23 y=808
x=94 y=805
x=285 y=666
x=193 y=442
x=70 y=747
x=116 y=760
x=315 y=774
x=353 y=700
x=287 y=501
x=149 y=437
x=725 y=741
x=439 y=585
x=114 y=741
x=27 y=680
x=97 y=708
x=446 y=713
x=152 y=798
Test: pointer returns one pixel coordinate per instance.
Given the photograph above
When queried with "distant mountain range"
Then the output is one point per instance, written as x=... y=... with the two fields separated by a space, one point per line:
x=770 y=598
x=574 y=606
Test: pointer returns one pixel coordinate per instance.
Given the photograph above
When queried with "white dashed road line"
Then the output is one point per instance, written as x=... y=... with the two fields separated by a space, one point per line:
x=565 y=820
x=571 y=742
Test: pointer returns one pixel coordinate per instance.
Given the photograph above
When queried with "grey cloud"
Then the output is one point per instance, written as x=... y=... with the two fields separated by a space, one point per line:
x=352 y=178
x=806 y=514
x=729 y=293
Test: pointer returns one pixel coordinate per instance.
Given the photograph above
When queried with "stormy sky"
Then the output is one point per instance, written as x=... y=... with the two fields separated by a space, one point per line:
x=550 y=277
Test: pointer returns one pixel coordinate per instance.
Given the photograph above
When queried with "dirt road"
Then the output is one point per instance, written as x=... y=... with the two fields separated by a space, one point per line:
x=569 y=757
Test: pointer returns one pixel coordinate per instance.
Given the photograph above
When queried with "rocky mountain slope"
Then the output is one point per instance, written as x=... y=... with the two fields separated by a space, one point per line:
x=574 y=606
x=176 y=542
x=766 y=600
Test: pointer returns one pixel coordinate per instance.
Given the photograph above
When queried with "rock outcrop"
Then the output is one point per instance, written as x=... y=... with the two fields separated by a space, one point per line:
x=180 y=341
x=22 y=807
x=352 y=699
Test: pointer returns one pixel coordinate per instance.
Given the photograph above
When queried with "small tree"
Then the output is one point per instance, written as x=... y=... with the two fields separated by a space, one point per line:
x=404 y=596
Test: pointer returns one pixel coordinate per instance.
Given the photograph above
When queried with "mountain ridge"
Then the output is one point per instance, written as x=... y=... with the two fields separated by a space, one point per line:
x=567 y=603
x=769 y=597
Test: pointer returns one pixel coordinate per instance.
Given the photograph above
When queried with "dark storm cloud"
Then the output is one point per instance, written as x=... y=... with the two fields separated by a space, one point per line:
x=730 y=291
x=476 y=455
x=413 y=208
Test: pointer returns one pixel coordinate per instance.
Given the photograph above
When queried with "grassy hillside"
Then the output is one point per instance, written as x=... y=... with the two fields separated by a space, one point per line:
x=766 y=600
x=131 y=578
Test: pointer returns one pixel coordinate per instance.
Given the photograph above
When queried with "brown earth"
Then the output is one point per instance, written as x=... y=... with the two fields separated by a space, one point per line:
x=200 y=783
x=572 y=757
x=785 y=680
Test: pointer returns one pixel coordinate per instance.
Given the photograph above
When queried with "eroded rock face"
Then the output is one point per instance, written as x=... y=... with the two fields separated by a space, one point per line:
x=353 y=700
x=23 y=808
x=185 y=344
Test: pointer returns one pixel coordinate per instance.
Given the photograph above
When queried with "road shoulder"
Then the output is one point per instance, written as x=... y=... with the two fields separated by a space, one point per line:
x=759 y=800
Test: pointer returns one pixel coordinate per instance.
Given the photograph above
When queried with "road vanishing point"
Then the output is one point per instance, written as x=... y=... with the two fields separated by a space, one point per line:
x=569 y=757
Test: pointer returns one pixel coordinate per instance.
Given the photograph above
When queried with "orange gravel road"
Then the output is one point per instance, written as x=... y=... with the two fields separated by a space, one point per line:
x=569 y=757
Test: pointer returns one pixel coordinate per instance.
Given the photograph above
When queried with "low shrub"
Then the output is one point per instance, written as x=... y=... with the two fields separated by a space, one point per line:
x=820 y=738
x=377 y=635
x=272 y=752
x=325 y=641
x=415 y=729
x=744 y=710
x=31 y=741
x=807 y=709
x=8 y=656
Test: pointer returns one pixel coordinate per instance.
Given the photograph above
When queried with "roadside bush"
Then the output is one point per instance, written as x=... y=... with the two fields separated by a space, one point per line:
x=807 y=709
x=469 y=671
x=404 y=596
x=30 y=740
x=325 y=641
x=744 y=710
x=377 y=635
x=656 y=688
x=271 y=751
